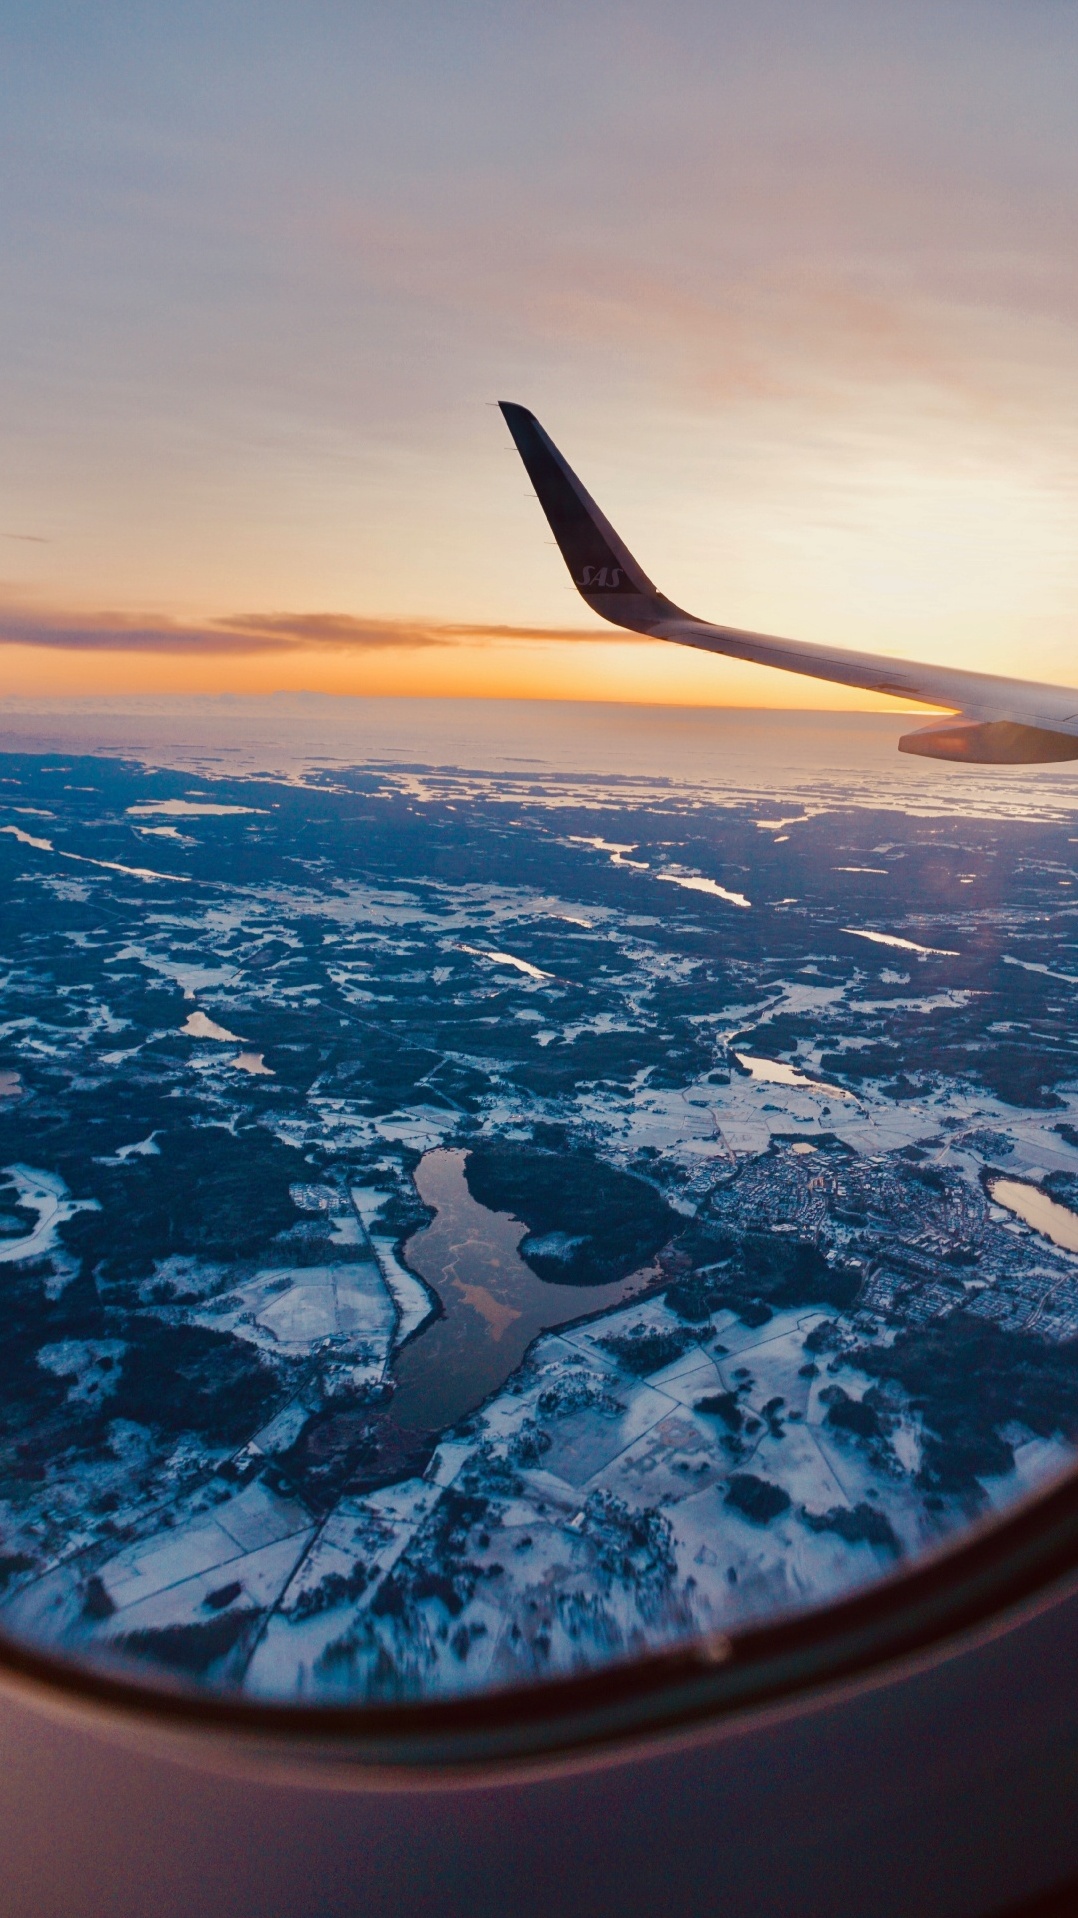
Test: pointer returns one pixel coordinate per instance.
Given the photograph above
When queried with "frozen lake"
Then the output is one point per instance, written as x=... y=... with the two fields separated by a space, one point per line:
x=1057 y=1222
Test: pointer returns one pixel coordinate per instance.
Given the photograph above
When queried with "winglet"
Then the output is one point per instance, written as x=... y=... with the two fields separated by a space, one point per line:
x=602 y=569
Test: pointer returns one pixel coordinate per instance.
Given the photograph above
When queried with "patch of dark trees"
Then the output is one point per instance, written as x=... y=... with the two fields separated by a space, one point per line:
x=647 y=1348
x=1063 y=1187
x=224 y=1595
x=206 y=1193
x=856 y=1525
x=755 y=1274
x=440 y=1565
x=354 y=1447
x=180 y=1378
x=722 y=1405
x=670 y=1055
x=967 y=1377
x=170 y=1378
x=757 y=1499
x=620 y=1221
x=336 y=1588
x=1020 y=1074
x=11 y=1564
x=16 y=1220
x=856 y=1416
x=191 y=1649
x=634 y=1545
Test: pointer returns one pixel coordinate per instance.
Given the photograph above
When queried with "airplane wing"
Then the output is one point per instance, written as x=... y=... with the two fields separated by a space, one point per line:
x=997 y=721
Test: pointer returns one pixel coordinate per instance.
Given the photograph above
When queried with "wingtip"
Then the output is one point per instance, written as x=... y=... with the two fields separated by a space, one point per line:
x=602 y=569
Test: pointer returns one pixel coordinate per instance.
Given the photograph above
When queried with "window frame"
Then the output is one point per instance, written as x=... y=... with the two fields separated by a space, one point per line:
x=1000 y=1565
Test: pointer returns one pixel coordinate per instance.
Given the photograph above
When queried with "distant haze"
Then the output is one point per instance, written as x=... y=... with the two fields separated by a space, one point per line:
x=572 y=748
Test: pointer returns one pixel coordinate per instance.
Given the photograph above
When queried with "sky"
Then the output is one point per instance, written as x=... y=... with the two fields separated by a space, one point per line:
x=794 y=286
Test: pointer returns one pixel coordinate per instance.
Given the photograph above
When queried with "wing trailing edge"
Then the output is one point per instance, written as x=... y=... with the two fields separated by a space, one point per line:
x=998 y=721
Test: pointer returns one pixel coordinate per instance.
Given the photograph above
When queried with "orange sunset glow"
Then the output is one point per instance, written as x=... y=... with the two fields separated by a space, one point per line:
x=572 y=667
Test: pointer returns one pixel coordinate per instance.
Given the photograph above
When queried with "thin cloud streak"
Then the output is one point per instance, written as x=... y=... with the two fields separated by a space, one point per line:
x=272 y=633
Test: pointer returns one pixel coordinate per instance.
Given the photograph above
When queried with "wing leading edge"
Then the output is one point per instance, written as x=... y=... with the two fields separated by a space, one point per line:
x=997 y=721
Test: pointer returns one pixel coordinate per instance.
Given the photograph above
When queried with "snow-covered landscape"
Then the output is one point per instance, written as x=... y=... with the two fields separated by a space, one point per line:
x=439 y=1252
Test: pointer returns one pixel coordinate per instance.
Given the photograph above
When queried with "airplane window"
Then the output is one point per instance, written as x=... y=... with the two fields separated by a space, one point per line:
x=538 y=955
x=479 y=1222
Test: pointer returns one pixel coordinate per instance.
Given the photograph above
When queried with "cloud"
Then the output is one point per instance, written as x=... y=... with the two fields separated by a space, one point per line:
x=263 y=633
x=788 y=322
